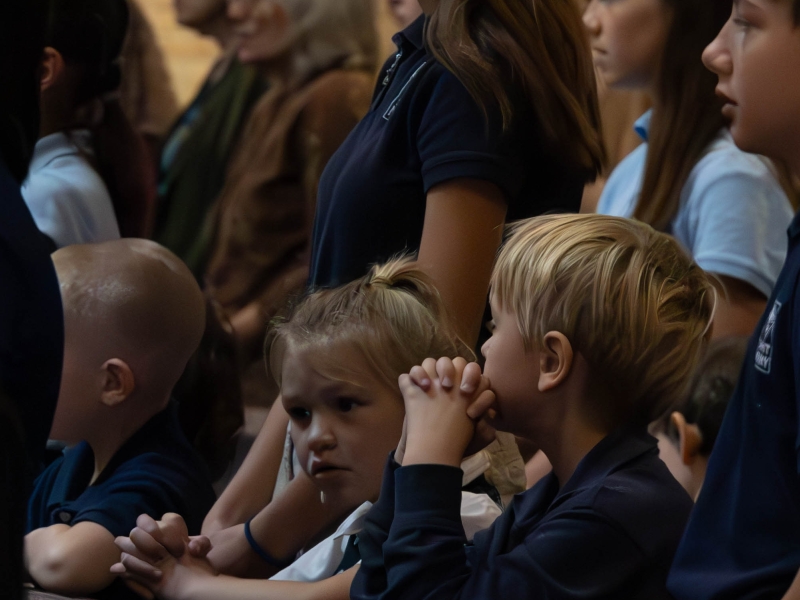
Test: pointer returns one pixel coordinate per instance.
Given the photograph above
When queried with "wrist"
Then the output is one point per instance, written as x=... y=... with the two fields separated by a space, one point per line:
x=432 y=456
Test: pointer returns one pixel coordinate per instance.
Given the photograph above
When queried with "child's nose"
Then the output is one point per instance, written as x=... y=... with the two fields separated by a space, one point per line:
x=485 y=347
x=320 y=436
x=716 y=56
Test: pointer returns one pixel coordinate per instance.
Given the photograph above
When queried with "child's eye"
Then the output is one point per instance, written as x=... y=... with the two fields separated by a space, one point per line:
x=742 y=23
x=346 y=404
x=490 y=326
x=299 y=413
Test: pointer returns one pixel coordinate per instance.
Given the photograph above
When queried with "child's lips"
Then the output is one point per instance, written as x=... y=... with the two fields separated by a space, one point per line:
x=323 y=468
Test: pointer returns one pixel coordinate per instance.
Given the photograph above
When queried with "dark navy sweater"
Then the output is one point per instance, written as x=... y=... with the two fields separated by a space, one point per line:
x=610 y=532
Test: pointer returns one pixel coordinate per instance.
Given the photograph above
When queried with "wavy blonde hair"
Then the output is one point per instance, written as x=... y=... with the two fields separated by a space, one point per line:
x=628 y=298
x=329 y=33
x=393 y=316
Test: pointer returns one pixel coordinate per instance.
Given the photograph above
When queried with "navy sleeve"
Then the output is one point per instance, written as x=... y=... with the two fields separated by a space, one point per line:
x=455 y=140
x=148 y=485
x=580 y=555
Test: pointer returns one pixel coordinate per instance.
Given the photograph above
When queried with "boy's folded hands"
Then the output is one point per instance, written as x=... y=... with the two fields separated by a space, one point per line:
x=158 y=555
x=445 y=401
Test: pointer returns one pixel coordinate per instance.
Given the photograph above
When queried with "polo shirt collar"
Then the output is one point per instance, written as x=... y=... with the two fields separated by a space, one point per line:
x=616 y=449
x=642 y=125
x=413 y=34
x=59 y=144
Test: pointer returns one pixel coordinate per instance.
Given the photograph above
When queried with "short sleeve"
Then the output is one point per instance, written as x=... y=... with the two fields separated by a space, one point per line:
x=152 y=486
x=736 y=221
x=455 y=140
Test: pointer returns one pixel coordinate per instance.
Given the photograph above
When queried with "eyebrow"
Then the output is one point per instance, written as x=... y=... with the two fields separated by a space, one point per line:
x=754 y=5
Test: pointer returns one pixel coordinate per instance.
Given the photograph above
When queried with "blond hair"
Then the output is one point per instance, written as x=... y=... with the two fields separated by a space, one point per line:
x=628 y=298
x=393 y=316
x=332 y=33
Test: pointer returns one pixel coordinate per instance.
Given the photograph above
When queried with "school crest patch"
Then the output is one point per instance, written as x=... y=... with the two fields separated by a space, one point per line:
x=763 y=360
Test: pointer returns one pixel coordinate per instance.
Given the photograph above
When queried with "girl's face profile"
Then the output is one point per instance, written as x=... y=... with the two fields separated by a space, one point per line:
x=344 y=422
x=627 y=39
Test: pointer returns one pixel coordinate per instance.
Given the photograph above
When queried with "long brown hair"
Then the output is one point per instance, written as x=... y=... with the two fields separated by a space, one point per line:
x=686 y=112
x=525 y=56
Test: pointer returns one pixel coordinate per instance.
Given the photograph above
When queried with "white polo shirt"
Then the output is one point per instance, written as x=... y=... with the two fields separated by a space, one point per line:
x=67 y=198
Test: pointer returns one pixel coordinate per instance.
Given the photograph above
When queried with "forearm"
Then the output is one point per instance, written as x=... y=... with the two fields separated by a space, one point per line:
x=231 y=588
x=426 y=543
x=462 y=231
x=67 y=560
x=281 y=529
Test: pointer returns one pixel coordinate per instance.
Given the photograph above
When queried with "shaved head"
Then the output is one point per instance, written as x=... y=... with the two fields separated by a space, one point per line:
x=134 y=300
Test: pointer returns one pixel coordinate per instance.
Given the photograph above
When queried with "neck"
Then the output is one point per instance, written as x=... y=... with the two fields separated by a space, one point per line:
x=567 y=448
x=106 y=442
x=116 y=426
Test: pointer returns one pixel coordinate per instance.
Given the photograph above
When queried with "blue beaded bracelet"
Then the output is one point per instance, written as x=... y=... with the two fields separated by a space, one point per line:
x=263 y=554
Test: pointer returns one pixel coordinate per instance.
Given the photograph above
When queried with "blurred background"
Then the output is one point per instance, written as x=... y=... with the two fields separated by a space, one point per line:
x=189 y=55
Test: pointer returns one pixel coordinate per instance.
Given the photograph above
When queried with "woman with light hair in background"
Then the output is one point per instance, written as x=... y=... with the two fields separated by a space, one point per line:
x=319 y=59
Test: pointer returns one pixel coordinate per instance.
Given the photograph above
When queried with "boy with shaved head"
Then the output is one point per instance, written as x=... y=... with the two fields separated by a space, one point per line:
x=133 y=316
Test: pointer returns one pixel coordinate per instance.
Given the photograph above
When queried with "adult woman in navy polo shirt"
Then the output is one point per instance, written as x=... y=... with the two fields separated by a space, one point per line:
x=488 y=115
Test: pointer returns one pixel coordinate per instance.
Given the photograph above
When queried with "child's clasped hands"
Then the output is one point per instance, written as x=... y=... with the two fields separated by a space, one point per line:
x=446 y=401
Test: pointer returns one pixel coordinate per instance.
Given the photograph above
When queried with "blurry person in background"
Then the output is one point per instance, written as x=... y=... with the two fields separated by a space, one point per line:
x=31 y=318
x=146 y=92
x=89 y=179
x=319 y=58
x=405 y=12
x=687 y=433
x=197 y=151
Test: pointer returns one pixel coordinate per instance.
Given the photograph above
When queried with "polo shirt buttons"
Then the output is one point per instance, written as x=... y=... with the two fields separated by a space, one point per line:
x=65 y=516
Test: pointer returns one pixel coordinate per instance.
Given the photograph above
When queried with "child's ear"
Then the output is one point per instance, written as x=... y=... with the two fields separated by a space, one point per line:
x=52 y=68
x=555 y=360
x=118 y=382
x=689 y=438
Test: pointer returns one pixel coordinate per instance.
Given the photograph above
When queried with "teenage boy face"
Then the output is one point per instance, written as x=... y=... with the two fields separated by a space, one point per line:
x=757 y=59
x=343 y=424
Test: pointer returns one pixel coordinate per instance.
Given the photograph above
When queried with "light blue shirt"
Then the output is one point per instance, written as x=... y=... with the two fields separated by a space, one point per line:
x=733 y=213
x=67 y=198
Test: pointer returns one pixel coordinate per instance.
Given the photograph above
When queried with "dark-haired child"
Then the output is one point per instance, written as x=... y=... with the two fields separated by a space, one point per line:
x=133 y=316
x=597 y=324
x=743 y=540
x=688 y=431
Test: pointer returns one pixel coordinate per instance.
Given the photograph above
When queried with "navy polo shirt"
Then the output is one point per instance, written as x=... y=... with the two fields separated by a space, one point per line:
x=423 y=129
x=743 y=540
x=156 y=471
x=610 y=532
